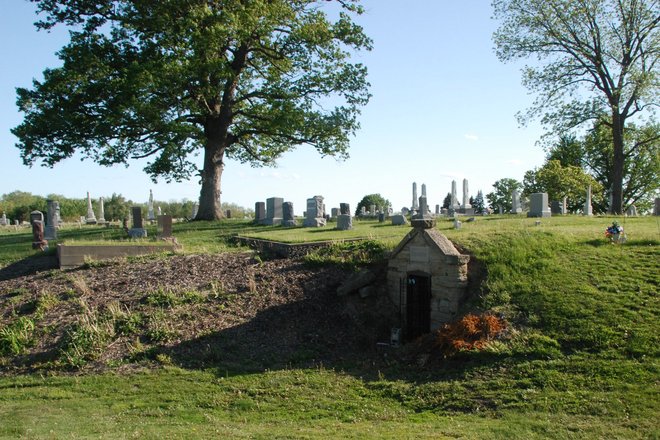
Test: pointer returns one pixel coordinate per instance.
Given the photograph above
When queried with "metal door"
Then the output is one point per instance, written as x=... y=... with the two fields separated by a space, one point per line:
x=418 y=306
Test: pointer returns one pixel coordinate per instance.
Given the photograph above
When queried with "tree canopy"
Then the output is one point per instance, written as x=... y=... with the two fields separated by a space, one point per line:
x=593 y=57
x=167 y=79
x=372 y=199
x=501 y=195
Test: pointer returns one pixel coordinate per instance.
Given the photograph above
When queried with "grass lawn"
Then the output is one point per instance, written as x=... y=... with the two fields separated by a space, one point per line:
x=582 y=360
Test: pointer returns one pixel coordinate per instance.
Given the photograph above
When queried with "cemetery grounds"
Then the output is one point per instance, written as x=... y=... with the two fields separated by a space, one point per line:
x=579 y=360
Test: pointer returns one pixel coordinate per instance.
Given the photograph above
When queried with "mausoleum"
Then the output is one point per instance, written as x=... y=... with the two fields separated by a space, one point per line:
x=427 y=278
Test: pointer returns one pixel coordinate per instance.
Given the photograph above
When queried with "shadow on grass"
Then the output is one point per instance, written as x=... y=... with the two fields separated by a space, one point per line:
x=634 y=243
x=29 y=266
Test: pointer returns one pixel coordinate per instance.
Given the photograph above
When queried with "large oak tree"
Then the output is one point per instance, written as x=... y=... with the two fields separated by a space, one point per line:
x=166 y=79
x=592 y=57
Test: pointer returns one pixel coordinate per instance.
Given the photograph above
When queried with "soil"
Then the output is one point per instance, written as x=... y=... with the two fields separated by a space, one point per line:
x=236 y=313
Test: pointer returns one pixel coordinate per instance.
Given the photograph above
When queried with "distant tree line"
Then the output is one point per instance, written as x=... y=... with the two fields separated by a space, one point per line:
x=17 y=205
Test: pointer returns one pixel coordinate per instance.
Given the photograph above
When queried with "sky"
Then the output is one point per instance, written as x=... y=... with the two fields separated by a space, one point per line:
x=443 y=108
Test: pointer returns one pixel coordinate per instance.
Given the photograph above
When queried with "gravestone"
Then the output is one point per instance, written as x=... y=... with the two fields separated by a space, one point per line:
x=656 y=206
x=555 y=208
x=405 y=211
x=164 y=226
x=381 y=217
x=457 y=224
x=632 y=211
x=159 y=211
x=3 y=220
x=315 y=213
x=36 y=216
x=345 y=209
x=195 y=209
x=372 y=209
x=38 y=240
x=415 y=206
x=288 y=219
x=423 y=219
x=91 y=217
x=334 y=213
x=137 y=231
x=398 y=220
x=228 y=213
x=466 y=195
x=150 y=207
x=259 y=212
x=363 y=211
x=538 y=205
x=101 y=211
x=515 y=202
x=52 y=224
x=424 y=189
x=437 y=209
x=344 y=219
x=273 y=211
x=454 y=200
x=588 y=210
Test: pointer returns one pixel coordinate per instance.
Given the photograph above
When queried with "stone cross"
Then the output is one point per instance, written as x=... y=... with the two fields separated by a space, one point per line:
x=91 y=218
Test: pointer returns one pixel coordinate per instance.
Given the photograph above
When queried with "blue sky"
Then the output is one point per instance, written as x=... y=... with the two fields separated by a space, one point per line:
x=443 y=109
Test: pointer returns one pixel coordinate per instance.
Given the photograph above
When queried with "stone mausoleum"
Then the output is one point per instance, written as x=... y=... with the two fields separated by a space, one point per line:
x=427 y=278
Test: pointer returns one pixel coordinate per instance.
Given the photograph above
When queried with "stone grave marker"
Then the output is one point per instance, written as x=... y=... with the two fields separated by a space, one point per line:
x=344 y=219
x=3 y=220
x=415 y=206
x=150 y=207
x=273 y=211
x=538 y=205
x=195 y=209
x=516 y=208
x=454 y=199
x=631 y=211
x=334 y=213
x=656 y=206
x=315 y=214
x=288 y=218
x=164 y=226
x=588 y=210
x=38 y=240
x=259 y=212
x=91 y=217
x=398 y=220
x=53 y=220
x=137 y=231
x=101 y=211
x=422 y=219
x=228 y=213
x=36 y=216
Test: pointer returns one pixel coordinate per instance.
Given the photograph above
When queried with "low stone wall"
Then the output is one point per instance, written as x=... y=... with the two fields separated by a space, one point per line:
x=70 y=256
x=286 y=250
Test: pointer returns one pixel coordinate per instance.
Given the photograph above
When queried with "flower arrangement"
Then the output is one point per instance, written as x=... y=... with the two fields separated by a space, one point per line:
x=614 y=232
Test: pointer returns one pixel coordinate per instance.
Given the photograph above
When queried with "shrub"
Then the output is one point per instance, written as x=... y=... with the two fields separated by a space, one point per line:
x=472 y=332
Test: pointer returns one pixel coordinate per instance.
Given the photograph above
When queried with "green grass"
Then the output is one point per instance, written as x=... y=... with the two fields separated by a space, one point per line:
x=581 y=362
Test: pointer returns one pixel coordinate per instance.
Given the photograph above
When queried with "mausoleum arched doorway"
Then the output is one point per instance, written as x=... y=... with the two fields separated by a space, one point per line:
x=418 y=305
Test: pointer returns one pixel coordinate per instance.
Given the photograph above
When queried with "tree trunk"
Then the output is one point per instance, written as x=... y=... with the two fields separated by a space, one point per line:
x=617 y=165
x=209 y=197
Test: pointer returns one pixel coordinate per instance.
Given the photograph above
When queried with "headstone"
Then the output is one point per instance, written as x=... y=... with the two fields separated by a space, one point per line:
x=437 y=209
x=150 y=207
x=415 y=206
x=195 y=209
x=315 y=213
x=500 y=209
x=363 y=211
x=555 y=208
x=424 y=189
x=345 y=209
x=454 y=200
x=288 y=218
x=632 y=211
x=334 y=212
x=53 y=220
x=38 y=240
x=101 y=211
x=588 y=210
x=3 y=220
x=372 y=209
x=538 y=205
x=228 y=213
x=405 y=211
x=36 y=216
x=259 y=212
x=457 y=224
x=273 y=211
x=159 y=211
x=466 y=195
x=398 y=220
x=423 y=219
x=381 y=217
x=91 y=218
x=137 y=231
x=164 y=226
x=344 y=221
x=515 y=202
x=656 y=206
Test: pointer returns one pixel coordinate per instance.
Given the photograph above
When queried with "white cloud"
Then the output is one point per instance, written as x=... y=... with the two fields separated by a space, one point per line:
x=471 y=137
